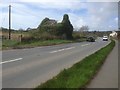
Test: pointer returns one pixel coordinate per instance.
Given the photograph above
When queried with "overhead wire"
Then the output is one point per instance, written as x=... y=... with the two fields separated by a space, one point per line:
x=20 y=11
x=23 y=11
x=3 y=18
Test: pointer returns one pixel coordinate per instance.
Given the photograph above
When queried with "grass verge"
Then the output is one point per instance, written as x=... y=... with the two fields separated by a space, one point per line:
x=13 y=44
x=80 y=73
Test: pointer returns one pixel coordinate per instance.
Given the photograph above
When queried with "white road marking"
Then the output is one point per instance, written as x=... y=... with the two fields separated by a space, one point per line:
x=11 y=60
x=62 y=50
x=85 y=44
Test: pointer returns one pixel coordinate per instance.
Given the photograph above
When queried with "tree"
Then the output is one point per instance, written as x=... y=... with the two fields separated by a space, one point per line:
x=28 y=29
x=84 y=29
x=59 y=29
x=67 y=27
x=44 y=21
x=47 y=25
x=62 y=30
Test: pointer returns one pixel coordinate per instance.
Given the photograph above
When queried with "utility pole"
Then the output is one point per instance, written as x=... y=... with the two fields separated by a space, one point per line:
x=9 y=22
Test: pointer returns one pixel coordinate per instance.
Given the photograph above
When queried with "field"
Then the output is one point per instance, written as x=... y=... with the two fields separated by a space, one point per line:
x=17 y=43
x=0 y=33
x=14 y=35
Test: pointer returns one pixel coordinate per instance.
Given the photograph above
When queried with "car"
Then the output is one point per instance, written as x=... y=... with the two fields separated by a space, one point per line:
x=90 y=39
x=105 y=38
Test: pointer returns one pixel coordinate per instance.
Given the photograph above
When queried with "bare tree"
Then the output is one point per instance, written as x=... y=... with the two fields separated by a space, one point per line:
x=84 y=30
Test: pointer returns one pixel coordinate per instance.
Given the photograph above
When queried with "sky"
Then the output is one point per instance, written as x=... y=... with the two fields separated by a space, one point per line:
x=97 y=15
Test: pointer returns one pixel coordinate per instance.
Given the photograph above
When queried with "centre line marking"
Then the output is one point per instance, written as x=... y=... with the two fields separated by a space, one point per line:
x=62 y=50
x=11 y=60
x=85 y=44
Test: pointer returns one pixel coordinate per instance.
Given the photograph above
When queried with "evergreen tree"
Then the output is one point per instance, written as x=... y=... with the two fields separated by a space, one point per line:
x=67 y=27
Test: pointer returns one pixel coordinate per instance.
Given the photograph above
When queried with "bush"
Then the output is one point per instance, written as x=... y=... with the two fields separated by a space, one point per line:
x=4 y=37
x=76 y=36
x=27 y=39
x=47 y=36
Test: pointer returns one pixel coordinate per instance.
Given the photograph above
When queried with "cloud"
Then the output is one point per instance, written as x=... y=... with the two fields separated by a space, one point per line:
x=97 y=15
x=102 y=14
x=76 y=20
x=44 y=1
x=116 y=19
x=102 y=1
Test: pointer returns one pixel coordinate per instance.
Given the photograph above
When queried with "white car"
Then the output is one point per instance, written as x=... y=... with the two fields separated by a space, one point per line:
x=105 y=38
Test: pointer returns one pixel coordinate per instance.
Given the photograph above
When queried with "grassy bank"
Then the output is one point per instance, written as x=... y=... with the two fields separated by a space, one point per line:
x=10 y=44
x=80 y=73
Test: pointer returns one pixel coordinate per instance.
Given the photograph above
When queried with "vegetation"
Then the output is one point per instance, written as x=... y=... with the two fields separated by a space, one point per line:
x=47 y=25
x=67 y=27
x=84 y=29
x=31 y=38
x=15 y=34
x=80 y=73
x=59 y=30
x=48 y=30
x=8 y=44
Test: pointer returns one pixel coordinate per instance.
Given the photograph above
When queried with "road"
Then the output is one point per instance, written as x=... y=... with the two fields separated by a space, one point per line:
x=27 y=68
x=107 y=77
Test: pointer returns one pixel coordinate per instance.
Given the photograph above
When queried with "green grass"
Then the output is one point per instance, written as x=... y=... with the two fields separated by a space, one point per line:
x=48 y=42
x=9 y=43
x=80 y=73
x=6 y=44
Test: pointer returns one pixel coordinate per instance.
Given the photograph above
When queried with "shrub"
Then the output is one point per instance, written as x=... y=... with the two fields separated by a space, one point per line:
x=76 y=36
x=27 y=39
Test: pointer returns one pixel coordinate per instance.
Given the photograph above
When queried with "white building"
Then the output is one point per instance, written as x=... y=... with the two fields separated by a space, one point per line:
x=113 y=34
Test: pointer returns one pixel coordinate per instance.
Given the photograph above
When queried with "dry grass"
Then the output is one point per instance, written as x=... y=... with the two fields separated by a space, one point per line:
x=0 y=33
x=14 y=35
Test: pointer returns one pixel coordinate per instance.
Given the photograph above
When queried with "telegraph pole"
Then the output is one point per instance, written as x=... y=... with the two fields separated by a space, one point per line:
x=9 y=22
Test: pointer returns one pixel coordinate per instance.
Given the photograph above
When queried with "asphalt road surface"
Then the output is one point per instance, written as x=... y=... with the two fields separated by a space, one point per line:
x=27 y=68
